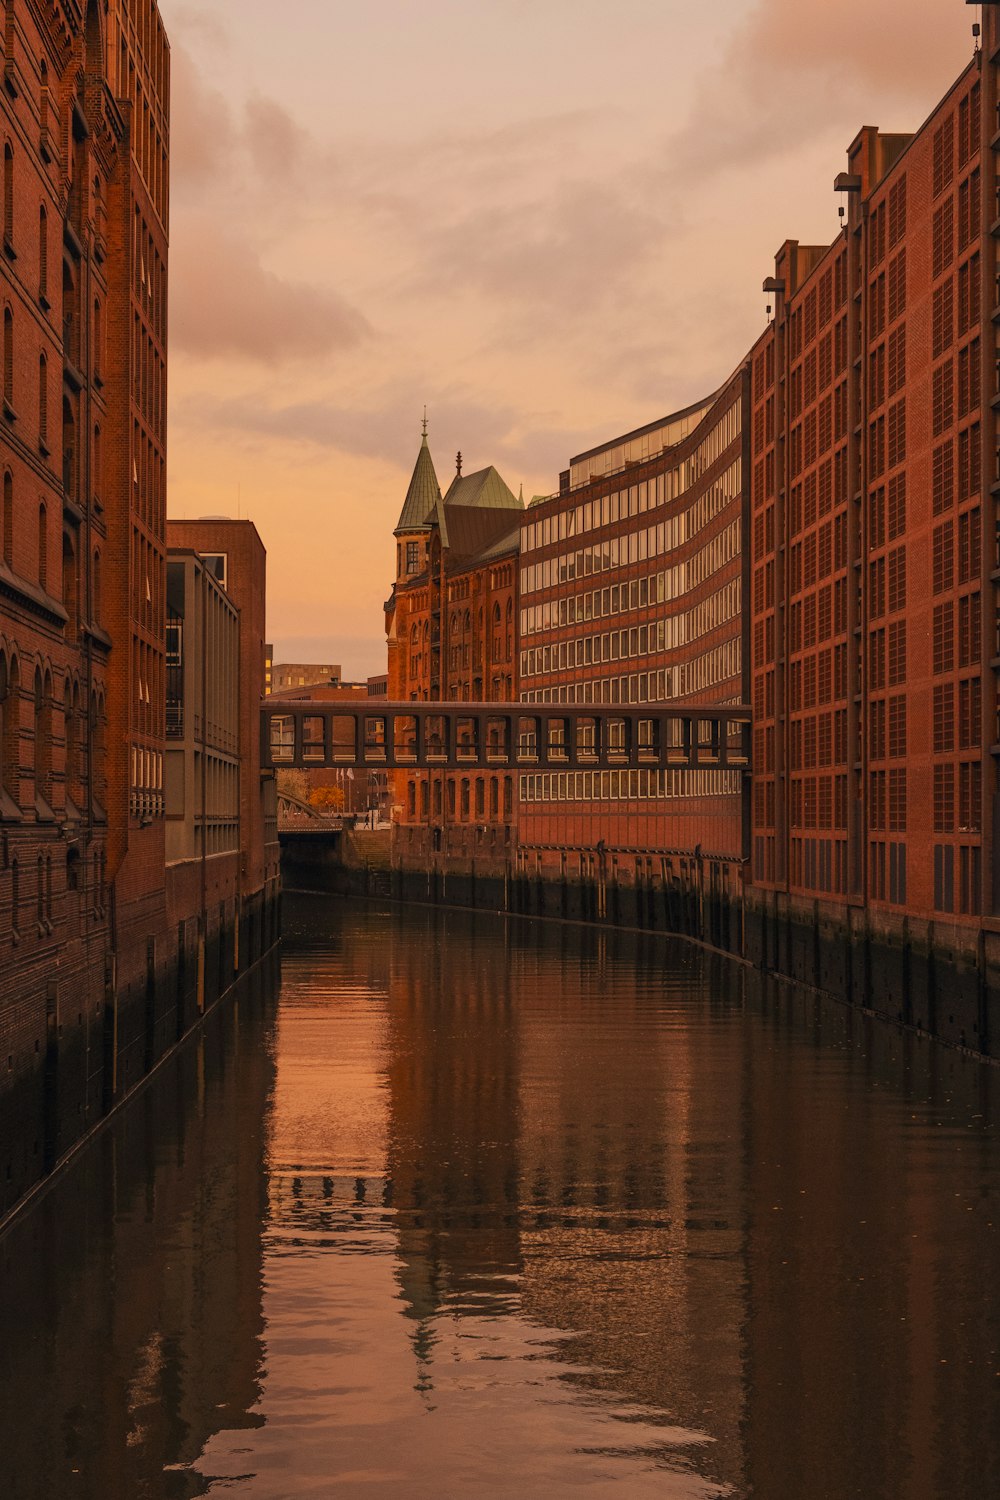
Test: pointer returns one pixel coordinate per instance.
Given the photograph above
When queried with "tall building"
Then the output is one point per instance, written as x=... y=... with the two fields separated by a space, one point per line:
x=632 y=593
x=99 y=969
x=84 y=116
x=451 y=624
x=873 y=595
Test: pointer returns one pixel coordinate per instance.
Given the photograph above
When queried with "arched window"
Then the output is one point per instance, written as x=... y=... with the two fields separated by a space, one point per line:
x=70 y=586
x=43 y=546
x=8 y=359
x=98 y=339
x=8 y=518
x=48 y=890
x=69 y=448
x=15 y=896
x=97 y=741
x=43 y=735
x=40 y=897
x=71 y=734
x=96 y=588
x=10 y=710
x=8 y=195
x=43 y=112
x=43 y=403
x=43 y=255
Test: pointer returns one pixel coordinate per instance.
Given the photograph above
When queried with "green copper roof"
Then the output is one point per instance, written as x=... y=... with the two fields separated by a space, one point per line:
x=423 y=494
x=486 y=490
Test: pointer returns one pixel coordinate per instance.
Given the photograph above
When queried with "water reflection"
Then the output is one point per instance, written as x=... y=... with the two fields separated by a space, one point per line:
x=515 y=1209
x=130 y=1298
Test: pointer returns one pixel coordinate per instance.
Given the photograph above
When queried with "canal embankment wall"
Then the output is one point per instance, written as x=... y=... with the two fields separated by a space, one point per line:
x=934 y=977
x=103 y=1039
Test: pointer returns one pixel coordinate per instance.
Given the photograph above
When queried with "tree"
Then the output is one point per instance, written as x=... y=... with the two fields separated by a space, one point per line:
x=327 y=799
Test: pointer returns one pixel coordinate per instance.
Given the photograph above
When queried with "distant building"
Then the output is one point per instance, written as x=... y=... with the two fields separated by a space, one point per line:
x=378 y=687
x=296 y=674
x=233 y=555
x=450 y=624
x=268 y=668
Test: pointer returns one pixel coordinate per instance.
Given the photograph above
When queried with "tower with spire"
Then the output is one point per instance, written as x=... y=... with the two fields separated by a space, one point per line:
x=413 y=527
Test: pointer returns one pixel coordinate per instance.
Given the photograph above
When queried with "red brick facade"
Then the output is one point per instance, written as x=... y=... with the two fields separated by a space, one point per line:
x=452 y=622
x=873 y=449
x=99 y=969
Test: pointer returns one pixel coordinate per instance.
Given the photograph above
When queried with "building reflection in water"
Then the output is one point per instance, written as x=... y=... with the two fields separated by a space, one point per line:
x=490 y=1198
x=130 y=1298
x=750 y=1211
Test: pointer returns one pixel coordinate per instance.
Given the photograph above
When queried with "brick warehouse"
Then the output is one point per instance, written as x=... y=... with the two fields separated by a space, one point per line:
x=874 y=602
x=451 y=624
x=90 y=995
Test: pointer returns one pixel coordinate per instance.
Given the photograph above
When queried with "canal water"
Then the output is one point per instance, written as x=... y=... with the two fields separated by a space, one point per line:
x=456 y=1206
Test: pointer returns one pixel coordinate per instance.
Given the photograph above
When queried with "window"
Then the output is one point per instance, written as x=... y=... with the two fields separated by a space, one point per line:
x=8 y=361
x=412 y=556
x=43 y=547
x=8 y=197
x=8 y=518
x=216 y=563
x=43 y=256
x=43 y=403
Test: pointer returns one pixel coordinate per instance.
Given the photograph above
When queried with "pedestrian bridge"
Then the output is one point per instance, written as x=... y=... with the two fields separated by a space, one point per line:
x=383 y=736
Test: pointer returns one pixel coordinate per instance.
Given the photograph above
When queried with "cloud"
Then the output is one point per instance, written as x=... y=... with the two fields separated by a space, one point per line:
x=792 y=72
x=202 y=133
x=226 y=303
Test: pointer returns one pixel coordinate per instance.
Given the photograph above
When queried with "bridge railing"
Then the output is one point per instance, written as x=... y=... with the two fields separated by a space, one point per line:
x=453 y=736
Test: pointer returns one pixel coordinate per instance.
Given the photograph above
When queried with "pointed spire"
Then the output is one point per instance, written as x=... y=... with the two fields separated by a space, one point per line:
x=424 y=491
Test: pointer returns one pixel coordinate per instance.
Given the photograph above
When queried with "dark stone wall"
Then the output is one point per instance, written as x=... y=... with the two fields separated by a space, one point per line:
x=90 y=1061
x=932 y=977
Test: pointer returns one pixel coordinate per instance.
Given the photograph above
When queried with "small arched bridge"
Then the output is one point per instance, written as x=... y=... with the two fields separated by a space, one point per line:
x=518 y=736
x=296 y=816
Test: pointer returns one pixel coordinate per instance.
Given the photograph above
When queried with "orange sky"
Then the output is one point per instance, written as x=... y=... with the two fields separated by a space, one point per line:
x=547 y=219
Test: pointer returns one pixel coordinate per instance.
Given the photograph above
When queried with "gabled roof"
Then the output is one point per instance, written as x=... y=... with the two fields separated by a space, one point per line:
x=474 y=531
x=423 y=494
x=485 y=490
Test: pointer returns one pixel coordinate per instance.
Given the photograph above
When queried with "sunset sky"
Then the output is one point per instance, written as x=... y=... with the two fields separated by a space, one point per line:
x=548 y=220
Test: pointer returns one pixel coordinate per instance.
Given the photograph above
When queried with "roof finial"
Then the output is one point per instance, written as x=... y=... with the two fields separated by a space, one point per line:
x=520 y=495
x=458 y=464
x=425 y=421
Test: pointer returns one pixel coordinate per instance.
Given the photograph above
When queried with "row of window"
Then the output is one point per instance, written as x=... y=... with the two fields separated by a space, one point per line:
x=717 y=665
x=648 y=446
x=637 y=640
x=637 y=546
x=468 y=799
x=627 y=786
x=79 y=724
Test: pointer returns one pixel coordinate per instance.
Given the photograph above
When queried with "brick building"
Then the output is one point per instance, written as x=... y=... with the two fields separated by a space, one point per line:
x=83 y=113
x=631 y=593
x=297 y=674
x=99 y=977
x=874 y=601
x=451 y=624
